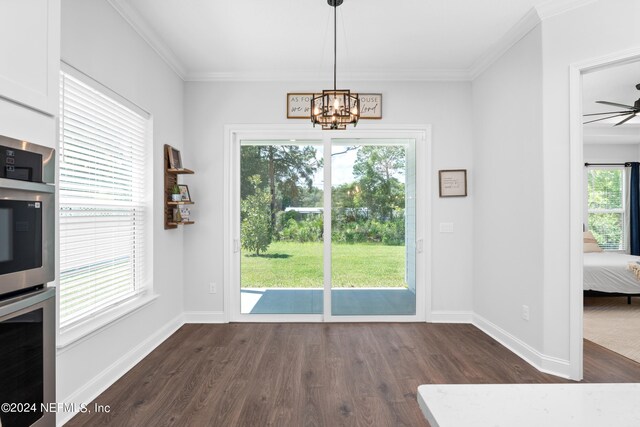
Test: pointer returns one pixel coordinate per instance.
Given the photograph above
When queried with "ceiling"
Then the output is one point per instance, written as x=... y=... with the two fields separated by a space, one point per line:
x=245 y=38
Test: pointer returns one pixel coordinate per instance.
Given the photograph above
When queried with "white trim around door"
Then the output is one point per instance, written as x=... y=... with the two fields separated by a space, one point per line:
x=236 y=133
x=576 y=183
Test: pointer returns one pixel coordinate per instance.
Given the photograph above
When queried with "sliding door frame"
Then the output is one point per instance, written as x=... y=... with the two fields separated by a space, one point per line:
x=234 y=134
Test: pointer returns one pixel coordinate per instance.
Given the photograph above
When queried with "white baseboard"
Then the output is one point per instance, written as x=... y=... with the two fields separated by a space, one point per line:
x=543 y=363
x=110 y=375
x=204 y=317
x=451 y=317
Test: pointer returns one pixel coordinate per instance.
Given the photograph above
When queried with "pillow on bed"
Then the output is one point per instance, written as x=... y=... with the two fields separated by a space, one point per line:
x=590 y=243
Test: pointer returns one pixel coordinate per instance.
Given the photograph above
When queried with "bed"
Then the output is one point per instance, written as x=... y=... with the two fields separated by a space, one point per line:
x=606 y=274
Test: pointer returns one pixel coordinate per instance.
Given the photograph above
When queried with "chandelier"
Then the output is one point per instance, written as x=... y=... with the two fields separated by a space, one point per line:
x=335 y=108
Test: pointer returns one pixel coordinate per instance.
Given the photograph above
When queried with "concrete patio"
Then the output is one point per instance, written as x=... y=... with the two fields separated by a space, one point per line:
x=344 y=301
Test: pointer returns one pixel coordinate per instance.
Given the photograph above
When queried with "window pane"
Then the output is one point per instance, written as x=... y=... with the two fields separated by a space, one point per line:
x=281 y=227
x=605 y=189
x=607 y=228
x=373 y=227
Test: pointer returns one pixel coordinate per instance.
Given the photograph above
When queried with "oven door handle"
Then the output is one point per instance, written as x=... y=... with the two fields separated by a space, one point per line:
x=26 y=300
x=36 y=187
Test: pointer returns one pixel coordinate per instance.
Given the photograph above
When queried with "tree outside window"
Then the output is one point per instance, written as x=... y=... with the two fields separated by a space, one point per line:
x=606 y=206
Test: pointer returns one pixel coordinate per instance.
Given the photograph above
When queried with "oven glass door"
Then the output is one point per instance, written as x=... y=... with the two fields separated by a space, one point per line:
x=22 y=368
x=20 y=235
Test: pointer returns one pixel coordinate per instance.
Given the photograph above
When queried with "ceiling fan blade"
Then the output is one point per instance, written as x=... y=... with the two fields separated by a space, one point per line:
x=615 y=104
x=610 y=112
x=605 y=118
x=626 y=120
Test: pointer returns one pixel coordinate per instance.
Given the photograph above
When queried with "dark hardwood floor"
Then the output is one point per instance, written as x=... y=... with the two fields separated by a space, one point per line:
x=316 y=374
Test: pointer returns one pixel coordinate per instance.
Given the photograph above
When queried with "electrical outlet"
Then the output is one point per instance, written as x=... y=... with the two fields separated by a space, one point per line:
x=446 y=227
x=525 y=312
x=212 y=288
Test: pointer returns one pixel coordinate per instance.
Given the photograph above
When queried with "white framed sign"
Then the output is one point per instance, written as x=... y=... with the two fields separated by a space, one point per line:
x=299 y=105
x=370 y=106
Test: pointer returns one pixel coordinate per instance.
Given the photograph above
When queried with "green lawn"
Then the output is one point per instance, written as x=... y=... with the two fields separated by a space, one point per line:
x=299 y=265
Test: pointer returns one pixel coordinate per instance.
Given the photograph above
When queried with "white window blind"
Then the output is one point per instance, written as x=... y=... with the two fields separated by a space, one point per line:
x=102 y=201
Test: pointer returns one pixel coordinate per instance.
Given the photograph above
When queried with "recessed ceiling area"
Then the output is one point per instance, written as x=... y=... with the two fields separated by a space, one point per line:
x=249 y=37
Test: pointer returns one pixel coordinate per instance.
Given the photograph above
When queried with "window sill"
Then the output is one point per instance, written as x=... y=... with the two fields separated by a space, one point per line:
x=90 y=327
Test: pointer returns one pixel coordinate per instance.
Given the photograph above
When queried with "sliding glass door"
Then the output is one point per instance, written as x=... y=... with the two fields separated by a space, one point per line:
x=327 y=227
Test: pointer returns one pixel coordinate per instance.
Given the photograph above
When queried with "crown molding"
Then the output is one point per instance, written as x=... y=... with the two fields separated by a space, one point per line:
x=527 y=23
x=302 y=76
x=556 y=7
x=139 y=24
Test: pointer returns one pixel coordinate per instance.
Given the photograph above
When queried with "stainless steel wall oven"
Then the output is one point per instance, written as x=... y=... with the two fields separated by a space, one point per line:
x=27 y=264
x=27 y=215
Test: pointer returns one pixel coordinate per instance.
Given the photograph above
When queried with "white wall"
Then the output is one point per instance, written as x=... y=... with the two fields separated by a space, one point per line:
x=508 y=227
x=209 y=106
x=611 y=153
x=96 y=40
x=597 y=29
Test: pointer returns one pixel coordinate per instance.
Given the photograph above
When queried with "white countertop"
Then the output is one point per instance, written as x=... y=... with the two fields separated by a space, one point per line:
x=529 y=405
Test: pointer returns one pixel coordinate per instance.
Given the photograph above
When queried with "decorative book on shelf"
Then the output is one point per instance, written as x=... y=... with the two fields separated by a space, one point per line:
x=176 y=212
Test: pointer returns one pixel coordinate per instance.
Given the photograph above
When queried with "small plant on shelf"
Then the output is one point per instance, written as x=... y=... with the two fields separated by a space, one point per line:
x=175 y=193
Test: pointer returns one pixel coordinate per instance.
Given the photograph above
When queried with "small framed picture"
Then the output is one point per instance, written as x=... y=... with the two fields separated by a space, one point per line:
x=453 y=183
x=185 y=213
x=175 y=161
x=184 y=192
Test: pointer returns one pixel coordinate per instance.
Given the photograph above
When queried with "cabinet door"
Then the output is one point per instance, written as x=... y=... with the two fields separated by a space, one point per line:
x=30 y=52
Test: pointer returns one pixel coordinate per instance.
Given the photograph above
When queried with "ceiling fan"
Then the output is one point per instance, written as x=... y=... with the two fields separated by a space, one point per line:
x=631 y=111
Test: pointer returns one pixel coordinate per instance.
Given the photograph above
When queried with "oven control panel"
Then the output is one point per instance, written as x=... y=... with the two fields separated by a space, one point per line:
x=19 y=164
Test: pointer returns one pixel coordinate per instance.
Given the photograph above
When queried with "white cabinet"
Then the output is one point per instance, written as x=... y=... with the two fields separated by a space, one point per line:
x=30 y=53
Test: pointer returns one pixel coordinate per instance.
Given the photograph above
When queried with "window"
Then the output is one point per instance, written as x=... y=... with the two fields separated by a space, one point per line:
x=606 y=207
x=102 y=200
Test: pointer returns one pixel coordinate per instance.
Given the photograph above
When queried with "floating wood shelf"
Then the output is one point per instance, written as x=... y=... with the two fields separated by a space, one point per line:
x=180 y=171
x=180 y=203
x=170 y=180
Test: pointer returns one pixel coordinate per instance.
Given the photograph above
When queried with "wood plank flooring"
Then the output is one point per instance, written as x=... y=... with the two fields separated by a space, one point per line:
x=359 y=374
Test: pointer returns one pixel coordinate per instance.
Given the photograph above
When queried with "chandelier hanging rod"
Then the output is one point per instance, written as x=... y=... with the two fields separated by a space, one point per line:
x=335 y=40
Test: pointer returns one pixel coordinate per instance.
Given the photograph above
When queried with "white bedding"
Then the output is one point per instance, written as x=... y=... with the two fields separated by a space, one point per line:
x=607 y=272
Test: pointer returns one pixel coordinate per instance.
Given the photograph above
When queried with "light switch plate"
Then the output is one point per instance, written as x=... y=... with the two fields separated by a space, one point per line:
x=446 y=227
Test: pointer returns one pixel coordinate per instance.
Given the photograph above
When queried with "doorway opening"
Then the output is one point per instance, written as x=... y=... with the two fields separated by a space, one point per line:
x=611 y=146
x=600 y=186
